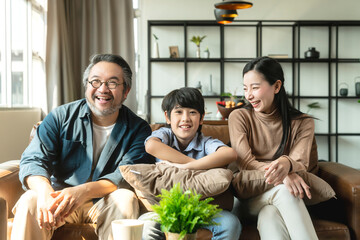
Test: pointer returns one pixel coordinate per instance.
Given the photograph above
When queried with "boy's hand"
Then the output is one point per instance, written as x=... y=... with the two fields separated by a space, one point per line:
x=178 y=165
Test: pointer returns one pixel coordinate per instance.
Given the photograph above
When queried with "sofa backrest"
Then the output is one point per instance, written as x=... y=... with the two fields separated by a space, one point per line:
x=220 y=132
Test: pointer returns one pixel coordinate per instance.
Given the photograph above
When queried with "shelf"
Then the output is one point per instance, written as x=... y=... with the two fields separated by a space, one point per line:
x=185 y=59
x=307 y=80
x=295 y=60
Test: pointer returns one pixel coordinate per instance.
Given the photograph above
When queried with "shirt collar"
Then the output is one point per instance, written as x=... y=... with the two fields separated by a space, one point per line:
x=194 y=145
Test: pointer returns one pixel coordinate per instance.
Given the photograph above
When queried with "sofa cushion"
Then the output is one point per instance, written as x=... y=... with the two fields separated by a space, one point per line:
x=250 y=183
x=149 y=179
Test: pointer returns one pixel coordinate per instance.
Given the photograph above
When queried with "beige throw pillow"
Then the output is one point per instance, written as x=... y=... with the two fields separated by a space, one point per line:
x=251 y=183
x=149 y=179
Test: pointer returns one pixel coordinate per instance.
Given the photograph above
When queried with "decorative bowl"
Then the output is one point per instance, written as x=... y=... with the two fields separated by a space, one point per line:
x=225 y=112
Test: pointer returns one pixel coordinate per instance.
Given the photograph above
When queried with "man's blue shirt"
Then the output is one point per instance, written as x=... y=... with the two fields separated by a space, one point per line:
x=62 y=149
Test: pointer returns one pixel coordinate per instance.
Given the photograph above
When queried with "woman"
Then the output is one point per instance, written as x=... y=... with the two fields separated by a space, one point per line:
x=272 y=136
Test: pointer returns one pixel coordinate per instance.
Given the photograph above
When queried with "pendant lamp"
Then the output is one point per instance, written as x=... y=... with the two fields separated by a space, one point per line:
x=223 y=16
x=233 y=5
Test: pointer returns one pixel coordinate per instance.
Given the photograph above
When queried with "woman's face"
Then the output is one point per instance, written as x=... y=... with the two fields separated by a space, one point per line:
x=259 y=92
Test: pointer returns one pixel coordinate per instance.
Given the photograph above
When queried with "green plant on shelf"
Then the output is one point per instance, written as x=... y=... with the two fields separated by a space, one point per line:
x=313 y=105
x=184 y=212
x=233 y=96
x=197 y=40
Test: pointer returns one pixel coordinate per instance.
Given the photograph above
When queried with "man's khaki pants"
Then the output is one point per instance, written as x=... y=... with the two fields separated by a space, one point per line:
x=119 y=204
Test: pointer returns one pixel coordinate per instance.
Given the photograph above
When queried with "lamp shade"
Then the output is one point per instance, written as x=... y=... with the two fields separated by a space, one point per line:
x=223 y=16
x=233 y=5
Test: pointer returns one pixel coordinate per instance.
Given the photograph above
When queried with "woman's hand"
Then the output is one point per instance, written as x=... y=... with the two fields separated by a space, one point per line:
x=296 y=185
x=277 y=170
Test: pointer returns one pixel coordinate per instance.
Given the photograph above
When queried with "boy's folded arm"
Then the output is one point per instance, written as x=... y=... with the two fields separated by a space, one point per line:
x=160 y=150
x=221 y=158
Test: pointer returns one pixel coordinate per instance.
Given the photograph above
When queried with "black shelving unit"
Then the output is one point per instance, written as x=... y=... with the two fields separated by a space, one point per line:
x=296 y=62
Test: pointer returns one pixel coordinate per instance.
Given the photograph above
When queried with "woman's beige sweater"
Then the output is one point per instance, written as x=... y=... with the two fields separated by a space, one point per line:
x=256 y=136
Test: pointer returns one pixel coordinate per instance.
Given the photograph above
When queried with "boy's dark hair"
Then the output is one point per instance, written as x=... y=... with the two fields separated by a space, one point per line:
x=186 y=97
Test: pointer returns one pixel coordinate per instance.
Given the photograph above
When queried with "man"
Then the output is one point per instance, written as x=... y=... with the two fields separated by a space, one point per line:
x=70 y=168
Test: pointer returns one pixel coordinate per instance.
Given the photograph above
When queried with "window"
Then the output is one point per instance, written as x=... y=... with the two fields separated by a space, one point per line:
x=22 y=51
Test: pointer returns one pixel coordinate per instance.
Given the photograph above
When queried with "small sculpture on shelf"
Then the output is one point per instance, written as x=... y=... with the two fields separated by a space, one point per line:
x=197 y=40
x=207 y=53
x=357 y=86
x=343 y=89
x=199 y=86
x=312 y=53
x=156 y=47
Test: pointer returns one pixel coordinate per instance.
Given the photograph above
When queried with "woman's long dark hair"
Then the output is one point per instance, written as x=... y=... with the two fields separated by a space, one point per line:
x=272 y=71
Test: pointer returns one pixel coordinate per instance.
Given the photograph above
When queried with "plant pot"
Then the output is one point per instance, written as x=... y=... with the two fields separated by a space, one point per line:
x=206 y=54
x=198 y=52
x=176 y=236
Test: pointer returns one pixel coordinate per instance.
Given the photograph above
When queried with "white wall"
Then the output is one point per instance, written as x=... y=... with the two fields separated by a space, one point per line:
x=15 y=128
x=261 y=10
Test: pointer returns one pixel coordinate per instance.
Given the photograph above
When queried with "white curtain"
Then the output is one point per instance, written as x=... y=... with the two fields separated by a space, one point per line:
x=78 y=29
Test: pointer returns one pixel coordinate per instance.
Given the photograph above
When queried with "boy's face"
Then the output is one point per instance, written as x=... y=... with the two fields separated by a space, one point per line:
x=184 y=123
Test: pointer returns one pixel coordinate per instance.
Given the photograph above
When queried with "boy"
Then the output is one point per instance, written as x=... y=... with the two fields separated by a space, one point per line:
x=184 y=146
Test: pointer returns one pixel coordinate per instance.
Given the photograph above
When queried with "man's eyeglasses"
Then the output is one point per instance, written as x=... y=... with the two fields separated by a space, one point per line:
x=110 y=85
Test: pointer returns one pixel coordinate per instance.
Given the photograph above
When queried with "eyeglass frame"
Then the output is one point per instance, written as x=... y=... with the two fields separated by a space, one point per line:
x=106 y=84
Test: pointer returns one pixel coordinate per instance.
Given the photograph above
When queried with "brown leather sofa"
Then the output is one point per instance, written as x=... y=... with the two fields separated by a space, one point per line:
x=335 y=219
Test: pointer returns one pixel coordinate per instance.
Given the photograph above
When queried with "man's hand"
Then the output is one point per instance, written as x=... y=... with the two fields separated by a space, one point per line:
x=45 y=217
x=277 y=170
x=67 y=201
x=42 y=187
x=296 y=186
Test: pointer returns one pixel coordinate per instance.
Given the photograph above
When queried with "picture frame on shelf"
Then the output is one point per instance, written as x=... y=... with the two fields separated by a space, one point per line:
x=174 y=52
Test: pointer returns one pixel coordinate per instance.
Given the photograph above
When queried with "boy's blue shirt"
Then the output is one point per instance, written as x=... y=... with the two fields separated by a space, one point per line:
x=200 y=146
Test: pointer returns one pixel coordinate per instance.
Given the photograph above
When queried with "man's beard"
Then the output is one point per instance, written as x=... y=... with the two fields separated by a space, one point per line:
x=105 y=112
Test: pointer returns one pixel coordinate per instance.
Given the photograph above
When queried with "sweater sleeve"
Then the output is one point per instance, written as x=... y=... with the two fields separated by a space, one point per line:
x=239 y=130
x=301 y=145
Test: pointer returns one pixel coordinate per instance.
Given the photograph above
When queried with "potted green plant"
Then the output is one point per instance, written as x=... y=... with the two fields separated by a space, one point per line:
x=197 y=40
x=181 y=214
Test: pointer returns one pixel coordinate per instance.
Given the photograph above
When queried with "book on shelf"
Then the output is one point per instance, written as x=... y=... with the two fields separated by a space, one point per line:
x=278 y=55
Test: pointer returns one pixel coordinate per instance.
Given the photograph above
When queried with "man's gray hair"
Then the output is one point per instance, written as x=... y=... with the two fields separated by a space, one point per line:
x=127 y=73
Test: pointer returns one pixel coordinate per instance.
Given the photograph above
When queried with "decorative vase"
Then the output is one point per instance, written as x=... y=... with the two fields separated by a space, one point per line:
x=343 y=89
x=198 y=52
x=207 y=54
x=176 y=236
x=156 y=50
x=312 y=53
x=357 y=86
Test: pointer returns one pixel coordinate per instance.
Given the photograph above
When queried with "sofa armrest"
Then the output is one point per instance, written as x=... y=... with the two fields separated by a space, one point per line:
x=10 y=186
x=3 y=219
x=346 y=183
